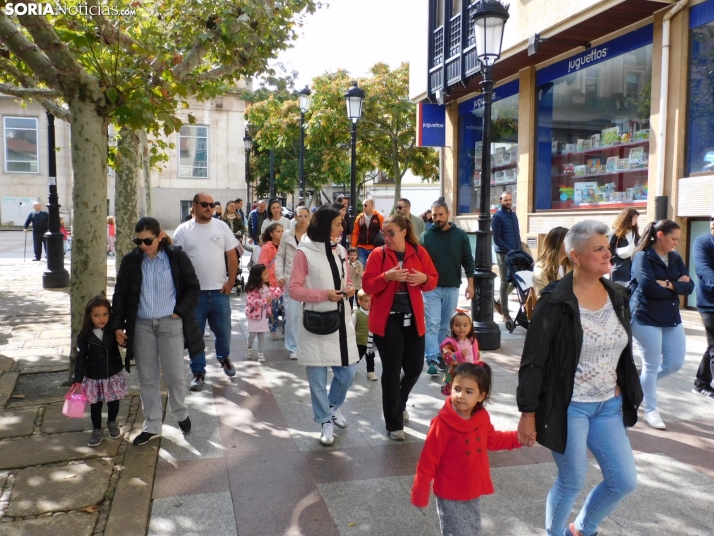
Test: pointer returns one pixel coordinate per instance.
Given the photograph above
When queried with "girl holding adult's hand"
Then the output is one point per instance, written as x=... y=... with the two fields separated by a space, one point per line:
x=395 y=277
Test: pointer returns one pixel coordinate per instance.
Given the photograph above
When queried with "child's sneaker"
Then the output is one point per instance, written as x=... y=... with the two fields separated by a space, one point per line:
x=261 y=358
x=97 y=438
x=114 y=431
x=249 y=354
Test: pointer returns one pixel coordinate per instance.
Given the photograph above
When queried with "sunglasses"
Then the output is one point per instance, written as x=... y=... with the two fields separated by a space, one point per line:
x=400 y=207
x=389 y=233
x=146 y=241
x=206 y=204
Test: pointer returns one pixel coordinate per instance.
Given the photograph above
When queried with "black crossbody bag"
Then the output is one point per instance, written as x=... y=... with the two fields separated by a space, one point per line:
x=327 y=322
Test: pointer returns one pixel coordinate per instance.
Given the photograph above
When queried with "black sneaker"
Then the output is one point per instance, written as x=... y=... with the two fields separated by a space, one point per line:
x=144 y=437
x=441 y=365
x=197 y=382
x=185 y=425
x=703 y=391
x=228 y=367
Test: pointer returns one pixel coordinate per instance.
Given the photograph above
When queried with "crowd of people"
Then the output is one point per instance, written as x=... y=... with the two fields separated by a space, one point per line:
x=338 y=291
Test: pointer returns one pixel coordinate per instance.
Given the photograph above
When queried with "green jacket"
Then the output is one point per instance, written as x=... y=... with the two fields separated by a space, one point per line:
x=449 y=250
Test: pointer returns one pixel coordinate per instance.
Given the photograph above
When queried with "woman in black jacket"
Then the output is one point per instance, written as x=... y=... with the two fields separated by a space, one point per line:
x=154 y=298
x=577 y=383
x=659 y=279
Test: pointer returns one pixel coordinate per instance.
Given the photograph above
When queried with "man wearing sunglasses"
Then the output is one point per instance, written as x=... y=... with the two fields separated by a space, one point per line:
x=703 y=253
x=210 y=245
x=404 y=209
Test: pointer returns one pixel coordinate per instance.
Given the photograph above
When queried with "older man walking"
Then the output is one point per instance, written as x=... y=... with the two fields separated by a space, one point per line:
x=506 y=237
x=703 y=252
x=404 y=208
x=450 y=250
x=40 y=221
x=209 y=243
x=256 y=219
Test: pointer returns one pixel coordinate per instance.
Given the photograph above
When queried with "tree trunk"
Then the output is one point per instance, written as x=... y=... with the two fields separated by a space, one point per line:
x=146 y=167
x=127 y=197
x=396 y=172
x=89 y=227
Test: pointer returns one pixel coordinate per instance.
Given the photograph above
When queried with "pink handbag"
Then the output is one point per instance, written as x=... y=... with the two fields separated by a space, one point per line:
x=74 y=403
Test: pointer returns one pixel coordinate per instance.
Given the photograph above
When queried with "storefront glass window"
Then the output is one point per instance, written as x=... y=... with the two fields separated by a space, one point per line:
x=504 y=148
x=700 y=149
x=593 y=127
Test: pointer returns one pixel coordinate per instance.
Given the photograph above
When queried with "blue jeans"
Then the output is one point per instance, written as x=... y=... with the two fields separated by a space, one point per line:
x=598 y=427
x=321 y=400
x=439 y=307
x=293 y=315
x=663 y=351
x=278 y=319
x=362 y=255
x=216 y=308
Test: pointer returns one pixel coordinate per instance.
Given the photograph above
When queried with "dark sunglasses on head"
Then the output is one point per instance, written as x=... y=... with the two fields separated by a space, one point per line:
x=146 y=241
x=206 y=204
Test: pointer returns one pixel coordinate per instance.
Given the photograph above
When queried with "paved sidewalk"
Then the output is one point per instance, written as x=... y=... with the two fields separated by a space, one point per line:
x=253 y=465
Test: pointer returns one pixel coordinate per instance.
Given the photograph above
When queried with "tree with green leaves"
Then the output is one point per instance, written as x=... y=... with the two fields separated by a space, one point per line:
x=92 y=69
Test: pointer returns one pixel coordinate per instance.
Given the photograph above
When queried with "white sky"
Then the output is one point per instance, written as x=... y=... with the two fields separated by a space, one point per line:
x=354 y=35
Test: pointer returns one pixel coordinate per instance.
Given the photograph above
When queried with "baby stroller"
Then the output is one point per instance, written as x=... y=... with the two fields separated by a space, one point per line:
x=240 y=281
x=520 y=273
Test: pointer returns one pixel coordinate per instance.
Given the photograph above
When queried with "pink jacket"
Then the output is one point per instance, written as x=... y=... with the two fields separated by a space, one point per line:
x=256 y=305
x=453 y=356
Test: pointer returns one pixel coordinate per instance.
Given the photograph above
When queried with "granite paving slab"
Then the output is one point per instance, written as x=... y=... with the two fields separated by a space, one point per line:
x=40 y=450
x=54 y=422
x=196 y=515
x=39 y=490
x=72 y=524
x=6 y=363
x=7 y=386
x=17 y=422
x=190 y=477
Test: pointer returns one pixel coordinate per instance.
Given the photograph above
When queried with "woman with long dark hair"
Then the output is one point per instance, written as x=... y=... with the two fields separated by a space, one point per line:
x=659 y=278
x=155 y=294
x=321 y=280
x=553 y=262
x=274 y=214
x=396 y=275
x=623 y=241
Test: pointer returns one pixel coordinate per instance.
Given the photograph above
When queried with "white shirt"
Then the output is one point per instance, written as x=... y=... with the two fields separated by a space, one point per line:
x=205 y=244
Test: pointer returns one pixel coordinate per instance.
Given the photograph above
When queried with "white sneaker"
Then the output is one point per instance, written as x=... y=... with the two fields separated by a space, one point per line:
x=338 y=418
x=249 y=354
x=261 y=359
x=372 y=376
x=654 y=419
x=397 y=435
x=327 y=438
x=293 y=355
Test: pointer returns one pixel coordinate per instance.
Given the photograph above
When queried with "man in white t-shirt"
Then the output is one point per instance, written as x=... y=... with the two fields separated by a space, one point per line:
x=209 y=242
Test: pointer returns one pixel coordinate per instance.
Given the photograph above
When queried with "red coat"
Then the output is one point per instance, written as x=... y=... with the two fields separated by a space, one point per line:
x=455 y=457
x=382 y=291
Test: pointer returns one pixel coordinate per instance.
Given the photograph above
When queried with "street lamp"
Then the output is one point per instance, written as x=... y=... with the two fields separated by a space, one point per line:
x=489 y=21
x=354 y=99
x=248 y=143
x=304 y=107
x=55 y=276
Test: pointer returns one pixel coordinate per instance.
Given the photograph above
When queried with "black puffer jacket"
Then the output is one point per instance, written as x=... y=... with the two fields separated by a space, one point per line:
x=97 y=359
x=550 y=359
x=125 y=302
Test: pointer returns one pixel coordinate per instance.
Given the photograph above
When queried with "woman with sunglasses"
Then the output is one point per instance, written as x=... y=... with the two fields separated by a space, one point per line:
x=155 y=294
x=659 y=278
x=396 y=275
x=275 y=215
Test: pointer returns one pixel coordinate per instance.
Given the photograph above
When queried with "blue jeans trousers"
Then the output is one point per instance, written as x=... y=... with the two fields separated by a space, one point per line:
x=321 y=399
x=362 y=255
x=293 y=315
x=439 y=307
x=598 y=427
x=663 y=351
x=214 y=307
x=278 y=319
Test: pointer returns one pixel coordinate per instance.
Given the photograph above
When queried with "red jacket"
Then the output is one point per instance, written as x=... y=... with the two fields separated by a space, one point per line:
x=382 y=291
x=455 y=457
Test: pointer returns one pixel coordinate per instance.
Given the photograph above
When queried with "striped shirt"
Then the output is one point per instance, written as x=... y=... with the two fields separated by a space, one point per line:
x=158 y=293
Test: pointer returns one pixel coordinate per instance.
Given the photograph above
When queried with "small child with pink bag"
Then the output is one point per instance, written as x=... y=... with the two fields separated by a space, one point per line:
x=99 y=371
x=460 y=347
x=259 y=295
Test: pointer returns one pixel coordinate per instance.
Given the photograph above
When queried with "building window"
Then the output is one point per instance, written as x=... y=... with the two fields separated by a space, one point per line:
x=193 y=152
x=504 y=148
x=700 y=142
x=21 y=155
x=593 y=127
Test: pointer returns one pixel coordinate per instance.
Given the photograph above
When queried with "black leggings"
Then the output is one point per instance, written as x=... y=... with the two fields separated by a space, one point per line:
x=96 y=412
x=401 y=348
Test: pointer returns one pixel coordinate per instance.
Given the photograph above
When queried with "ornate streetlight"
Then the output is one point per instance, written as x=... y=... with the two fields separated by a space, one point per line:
x=55 y=276
x=248 y=143
x=354 y=99
x=304 y=107
x=489 y=21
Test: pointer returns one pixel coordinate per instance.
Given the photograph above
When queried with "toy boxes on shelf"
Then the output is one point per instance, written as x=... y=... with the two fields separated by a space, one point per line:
x=610 y=136
x=584 y=192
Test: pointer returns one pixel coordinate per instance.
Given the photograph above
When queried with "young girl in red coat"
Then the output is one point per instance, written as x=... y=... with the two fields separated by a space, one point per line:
x=459 y=347
x=455 y=453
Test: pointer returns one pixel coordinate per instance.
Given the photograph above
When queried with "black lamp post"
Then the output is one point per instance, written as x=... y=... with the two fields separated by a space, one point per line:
x=489 y=21
x=248 y=143
x=55 y=276
x=304 y=107
x=354 y=99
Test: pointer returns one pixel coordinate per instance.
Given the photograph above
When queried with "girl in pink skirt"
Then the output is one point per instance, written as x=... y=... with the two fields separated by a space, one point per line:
x=99 y=368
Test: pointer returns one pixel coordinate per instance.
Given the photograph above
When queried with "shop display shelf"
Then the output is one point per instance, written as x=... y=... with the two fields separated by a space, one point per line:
x=559 y=157
x=622 y=171
x=570 y=205
x=499 y=168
